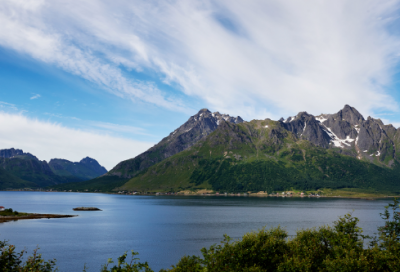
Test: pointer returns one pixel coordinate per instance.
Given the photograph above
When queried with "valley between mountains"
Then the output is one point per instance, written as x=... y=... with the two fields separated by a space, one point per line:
x=222 y=153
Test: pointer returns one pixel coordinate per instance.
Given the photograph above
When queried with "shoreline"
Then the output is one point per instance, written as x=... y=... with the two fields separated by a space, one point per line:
x=33 y=216
x=365 y=196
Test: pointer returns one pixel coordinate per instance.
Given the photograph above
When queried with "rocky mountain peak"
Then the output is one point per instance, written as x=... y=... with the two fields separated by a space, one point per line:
x=204 y=121
x=11 y=152
x=350 y=115
x=88 y=160
x=194 y=129
x=348 y=130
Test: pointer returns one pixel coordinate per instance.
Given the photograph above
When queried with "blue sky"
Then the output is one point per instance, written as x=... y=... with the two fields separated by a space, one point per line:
x=110 y=79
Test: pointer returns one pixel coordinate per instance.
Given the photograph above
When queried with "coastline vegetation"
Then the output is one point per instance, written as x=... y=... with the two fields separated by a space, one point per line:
x=10 y=212
x=341 y=247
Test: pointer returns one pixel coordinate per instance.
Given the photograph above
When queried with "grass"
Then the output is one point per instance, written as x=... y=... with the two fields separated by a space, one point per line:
x=354 y=193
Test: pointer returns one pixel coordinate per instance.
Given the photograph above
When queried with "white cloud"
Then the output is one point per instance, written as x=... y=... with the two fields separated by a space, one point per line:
x=50 y=140
x=36 y=96
x=25 y=30
x=266 y=58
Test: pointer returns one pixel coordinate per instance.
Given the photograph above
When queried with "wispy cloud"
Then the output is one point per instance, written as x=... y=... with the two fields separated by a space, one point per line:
x=116 y=128
x=24 y=28
x=36 y=96
x=7 y=106
x=49 y=140
x=254 y=58
x=103 y=128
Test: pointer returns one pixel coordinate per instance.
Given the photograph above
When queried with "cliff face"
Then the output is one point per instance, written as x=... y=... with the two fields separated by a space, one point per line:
x=348 y=133
x=8 y=153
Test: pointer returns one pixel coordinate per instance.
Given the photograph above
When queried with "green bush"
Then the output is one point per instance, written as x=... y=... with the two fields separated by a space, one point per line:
x=11 y=261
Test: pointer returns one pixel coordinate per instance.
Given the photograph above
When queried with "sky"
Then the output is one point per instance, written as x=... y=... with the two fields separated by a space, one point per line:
x=109 y=79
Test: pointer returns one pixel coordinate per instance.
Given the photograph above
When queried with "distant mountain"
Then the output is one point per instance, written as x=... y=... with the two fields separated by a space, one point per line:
x=21 y=170
x=86 y=169
x=306 y=152
x=196 y=128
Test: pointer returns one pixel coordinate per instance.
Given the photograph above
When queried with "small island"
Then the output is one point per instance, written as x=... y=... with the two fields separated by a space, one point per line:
x=10 y=215
x=86 y=209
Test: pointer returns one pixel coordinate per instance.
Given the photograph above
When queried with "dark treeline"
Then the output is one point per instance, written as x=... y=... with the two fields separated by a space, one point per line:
x=269 y=175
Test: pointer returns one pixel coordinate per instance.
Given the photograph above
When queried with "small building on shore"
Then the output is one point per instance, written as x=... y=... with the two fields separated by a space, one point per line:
x=1 y=208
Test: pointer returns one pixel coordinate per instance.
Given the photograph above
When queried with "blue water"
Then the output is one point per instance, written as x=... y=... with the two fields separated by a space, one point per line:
x=161 y=228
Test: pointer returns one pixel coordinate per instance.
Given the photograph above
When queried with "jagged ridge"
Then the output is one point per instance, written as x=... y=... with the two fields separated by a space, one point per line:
x=196 y=128
x=304 y=149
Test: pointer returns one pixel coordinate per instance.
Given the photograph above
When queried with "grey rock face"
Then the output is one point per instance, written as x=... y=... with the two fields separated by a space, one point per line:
x=306 y=127
x=350 y=115
x=348 y=130
x=9 y=153
x=16 y=153
x=196 y=128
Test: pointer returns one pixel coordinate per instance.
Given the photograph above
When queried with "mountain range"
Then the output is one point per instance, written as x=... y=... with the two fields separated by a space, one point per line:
x=20 y=170
x=223 y=153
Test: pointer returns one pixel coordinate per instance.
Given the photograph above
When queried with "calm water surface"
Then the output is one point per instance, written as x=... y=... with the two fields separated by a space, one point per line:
x=162 y=229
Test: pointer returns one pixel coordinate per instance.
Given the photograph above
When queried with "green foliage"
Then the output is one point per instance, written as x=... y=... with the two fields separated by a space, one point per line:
x=8 y=181
x=318 y=171
x=103 y=184
x=32 y=172
x=11 y=261
x=123 y=266
x=390 y=232
x=10 y=212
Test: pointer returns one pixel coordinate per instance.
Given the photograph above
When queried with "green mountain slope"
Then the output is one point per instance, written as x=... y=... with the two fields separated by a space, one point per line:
x=101 y=184
x=9 y=181
x=28 y=167
x=262 y=155
x=196 y=128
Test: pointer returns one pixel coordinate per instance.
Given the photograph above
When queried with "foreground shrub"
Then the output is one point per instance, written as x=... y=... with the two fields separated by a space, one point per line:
x=11 y=261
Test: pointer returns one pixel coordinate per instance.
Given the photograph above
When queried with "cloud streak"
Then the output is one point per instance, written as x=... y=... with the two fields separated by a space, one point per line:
x=253 y=58
x=36 y=96
x=48 y=140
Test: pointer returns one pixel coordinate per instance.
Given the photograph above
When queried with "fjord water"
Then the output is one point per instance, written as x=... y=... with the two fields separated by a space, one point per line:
x=161 y=228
